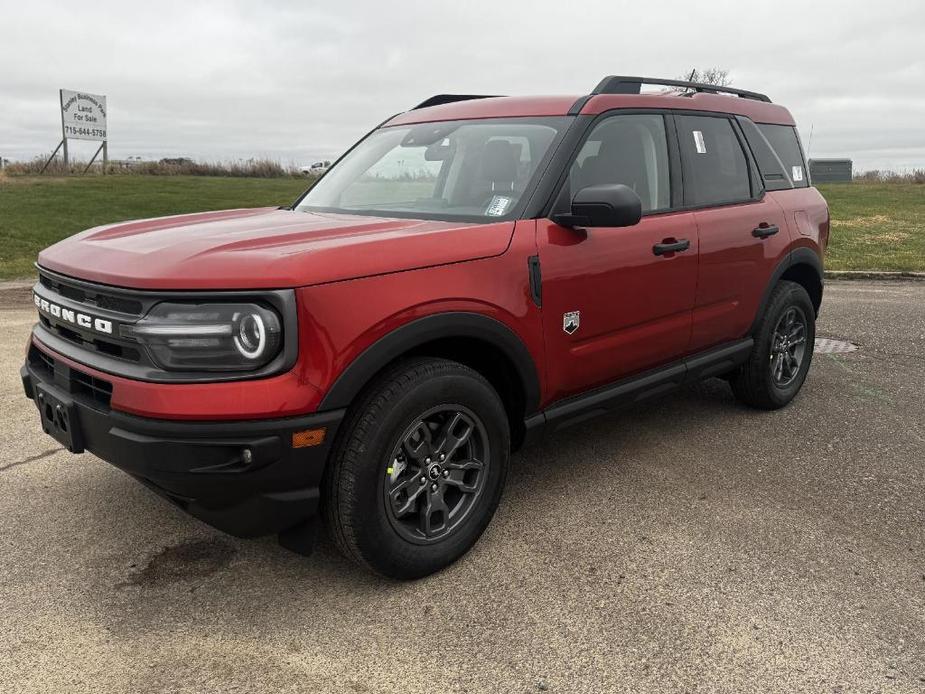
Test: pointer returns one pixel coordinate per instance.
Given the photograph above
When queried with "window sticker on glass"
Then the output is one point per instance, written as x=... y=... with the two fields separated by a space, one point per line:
x=797 y=173
x=498 y=206
x=700 y=144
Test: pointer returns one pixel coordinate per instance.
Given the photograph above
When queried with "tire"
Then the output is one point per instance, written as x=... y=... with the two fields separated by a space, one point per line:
x=374 y=477
x=756 y=383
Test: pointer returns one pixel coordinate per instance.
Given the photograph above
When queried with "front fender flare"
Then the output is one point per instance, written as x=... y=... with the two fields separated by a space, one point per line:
x=423 y=330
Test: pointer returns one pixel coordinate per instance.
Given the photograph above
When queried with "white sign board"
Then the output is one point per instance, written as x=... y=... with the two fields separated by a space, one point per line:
x=83 y=116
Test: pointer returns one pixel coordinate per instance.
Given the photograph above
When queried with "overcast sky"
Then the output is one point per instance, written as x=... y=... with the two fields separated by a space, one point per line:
x=298 y=81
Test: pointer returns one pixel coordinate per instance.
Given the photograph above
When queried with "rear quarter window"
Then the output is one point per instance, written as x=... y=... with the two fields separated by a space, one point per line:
x=786 y=144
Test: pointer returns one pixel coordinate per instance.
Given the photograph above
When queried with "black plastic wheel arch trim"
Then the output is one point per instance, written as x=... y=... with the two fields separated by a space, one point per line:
x=427 y=329
x=797 y=256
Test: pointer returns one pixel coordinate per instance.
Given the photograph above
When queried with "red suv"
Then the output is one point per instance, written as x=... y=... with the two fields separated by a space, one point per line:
x=472 y=272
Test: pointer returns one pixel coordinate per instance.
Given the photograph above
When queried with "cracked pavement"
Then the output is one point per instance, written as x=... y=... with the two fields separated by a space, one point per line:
x=686 y=545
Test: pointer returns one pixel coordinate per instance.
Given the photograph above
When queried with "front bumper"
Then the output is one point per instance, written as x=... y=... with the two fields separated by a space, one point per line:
x=242 y=477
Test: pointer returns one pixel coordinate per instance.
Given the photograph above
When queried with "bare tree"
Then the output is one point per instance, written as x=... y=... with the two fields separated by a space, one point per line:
x=710 y=75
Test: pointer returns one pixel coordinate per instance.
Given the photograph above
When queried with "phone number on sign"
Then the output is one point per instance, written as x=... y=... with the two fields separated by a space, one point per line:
x=86 y=132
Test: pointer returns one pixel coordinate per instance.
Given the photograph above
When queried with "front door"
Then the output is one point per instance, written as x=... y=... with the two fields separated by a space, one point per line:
x=615 y=301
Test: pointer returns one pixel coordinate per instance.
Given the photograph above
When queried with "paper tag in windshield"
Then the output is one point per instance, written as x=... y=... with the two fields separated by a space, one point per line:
x=698 y=141
x=498 y=206
x=797 y=173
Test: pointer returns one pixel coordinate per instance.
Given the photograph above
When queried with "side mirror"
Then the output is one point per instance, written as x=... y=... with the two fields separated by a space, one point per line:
x=604 y=205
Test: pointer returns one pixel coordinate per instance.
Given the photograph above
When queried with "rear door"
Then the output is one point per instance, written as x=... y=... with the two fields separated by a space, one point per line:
x=743 y=232
x=611 y=305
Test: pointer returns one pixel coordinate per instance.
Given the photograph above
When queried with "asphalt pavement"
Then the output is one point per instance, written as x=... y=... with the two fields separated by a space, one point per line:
x=690 y=545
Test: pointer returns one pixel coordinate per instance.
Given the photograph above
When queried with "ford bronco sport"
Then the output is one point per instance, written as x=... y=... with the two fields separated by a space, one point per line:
x=472 y=272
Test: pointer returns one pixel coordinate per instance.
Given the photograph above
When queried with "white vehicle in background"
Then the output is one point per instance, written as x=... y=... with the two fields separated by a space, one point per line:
x=316 y=169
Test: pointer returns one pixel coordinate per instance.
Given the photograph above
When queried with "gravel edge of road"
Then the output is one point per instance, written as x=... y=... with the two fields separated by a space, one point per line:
x=13 y=285
x=872 y=275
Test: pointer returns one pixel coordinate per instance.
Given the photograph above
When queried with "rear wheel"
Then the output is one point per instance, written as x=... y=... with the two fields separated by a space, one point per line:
x=780 y=359
x=419 y=470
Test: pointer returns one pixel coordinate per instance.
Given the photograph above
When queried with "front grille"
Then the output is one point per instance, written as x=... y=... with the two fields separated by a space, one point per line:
x=113 y=349
x=74 y=381
x=98 y=301
x=92 y=297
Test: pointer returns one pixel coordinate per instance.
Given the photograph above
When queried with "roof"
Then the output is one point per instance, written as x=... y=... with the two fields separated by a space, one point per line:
x=525 y=106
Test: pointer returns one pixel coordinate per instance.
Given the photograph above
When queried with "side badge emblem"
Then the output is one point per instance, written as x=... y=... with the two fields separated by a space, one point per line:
x=571 y=321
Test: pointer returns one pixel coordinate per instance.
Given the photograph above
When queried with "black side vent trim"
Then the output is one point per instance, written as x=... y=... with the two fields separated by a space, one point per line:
x=536 y=280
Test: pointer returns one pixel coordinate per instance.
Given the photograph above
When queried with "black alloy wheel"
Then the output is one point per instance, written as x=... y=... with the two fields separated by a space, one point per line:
x=788 y=346
x=436 y=473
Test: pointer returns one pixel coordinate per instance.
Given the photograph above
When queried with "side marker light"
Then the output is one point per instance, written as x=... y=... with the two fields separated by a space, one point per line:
x=308 y=437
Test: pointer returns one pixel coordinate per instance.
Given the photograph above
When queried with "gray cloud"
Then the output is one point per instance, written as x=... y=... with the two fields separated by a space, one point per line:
x=298 y=81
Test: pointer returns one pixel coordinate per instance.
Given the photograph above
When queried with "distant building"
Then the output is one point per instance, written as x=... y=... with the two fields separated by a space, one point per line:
x=830 y=170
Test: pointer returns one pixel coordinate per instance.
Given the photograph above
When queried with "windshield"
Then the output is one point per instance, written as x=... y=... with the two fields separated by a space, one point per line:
x=468 y=170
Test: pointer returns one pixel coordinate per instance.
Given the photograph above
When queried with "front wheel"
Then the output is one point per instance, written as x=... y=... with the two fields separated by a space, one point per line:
x=420 y=469
x=780 y=359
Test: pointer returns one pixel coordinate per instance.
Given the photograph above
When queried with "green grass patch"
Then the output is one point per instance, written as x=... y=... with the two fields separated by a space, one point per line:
x=875 y=226
x=37 y=212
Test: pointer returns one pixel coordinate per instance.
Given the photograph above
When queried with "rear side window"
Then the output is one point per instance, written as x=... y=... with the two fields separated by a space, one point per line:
x=716 y=170
x=785 y=142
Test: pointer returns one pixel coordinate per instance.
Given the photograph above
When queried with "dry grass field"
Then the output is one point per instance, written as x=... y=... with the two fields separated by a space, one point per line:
x=875 y=226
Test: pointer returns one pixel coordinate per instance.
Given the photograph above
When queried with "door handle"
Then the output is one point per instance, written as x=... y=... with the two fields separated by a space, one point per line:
x=671 y=246
x=764 y=230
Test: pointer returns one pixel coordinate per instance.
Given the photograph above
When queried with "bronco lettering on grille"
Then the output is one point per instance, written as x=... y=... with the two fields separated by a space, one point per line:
x=81 y=320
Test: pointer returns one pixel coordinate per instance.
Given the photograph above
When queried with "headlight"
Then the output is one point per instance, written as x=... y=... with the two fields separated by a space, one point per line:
x=209 y=337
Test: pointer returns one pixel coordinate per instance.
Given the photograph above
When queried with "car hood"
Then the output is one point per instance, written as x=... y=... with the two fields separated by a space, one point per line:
x=266 y=248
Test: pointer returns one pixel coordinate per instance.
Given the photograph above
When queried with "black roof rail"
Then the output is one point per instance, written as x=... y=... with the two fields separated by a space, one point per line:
x=618 y=84
x=439 y=99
